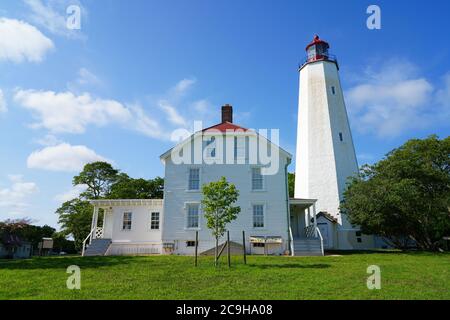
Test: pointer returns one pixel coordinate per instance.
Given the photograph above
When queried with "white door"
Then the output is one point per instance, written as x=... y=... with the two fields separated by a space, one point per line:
x=323 y=227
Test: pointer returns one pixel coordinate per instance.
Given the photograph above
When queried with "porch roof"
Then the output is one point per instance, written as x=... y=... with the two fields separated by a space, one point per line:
x=304 y=203
x=126 y=202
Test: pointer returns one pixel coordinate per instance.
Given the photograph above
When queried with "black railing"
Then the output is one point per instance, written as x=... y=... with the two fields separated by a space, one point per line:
x=319 y=57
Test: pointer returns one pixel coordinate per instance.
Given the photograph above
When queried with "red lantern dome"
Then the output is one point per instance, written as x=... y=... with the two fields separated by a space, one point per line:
x=317 y=50
x=318 y=43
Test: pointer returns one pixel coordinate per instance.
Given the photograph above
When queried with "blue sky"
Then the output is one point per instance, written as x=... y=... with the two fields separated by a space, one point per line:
x=136 y=70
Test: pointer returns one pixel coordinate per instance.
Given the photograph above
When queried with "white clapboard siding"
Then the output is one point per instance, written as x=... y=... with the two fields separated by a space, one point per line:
x=176 y=195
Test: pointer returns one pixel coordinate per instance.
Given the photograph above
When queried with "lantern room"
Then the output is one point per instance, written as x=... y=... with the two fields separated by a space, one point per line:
x=317 y=50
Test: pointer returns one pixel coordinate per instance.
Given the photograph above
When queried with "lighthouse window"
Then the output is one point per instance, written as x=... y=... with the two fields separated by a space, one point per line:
x=333 y=90
x=340 y=136
x=311 y=52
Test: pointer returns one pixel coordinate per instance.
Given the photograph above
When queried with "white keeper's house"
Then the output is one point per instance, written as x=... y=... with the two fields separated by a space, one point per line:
x=272 y=222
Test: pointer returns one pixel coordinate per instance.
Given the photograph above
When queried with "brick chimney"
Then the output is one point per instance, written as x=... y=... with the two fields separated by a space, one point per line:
x=227 y=113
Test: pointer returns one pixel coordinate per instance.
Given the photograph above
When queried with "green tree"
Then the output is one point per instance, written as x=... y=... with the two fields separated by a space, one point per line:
x=291 y=184
x=98 y=177
x=405 y=196
x=129 y=188
x=75 y=220
x=34 y=234
x=218 y=200
x=75 y=215
x=103 y=182
x=61 y=243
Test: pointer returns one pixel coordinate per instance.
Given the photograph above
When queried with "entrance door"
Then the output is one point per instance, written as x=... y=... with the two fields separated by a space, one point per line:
x=323 y=227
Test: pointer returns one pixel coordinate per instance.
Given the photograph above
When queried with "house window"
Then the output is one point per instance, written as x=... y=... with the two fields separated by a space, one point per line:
x=257 y=179
x=194 y=179
x=126 y=225
x=192 y=215
x=239 y=147
x=258 y=245
x=190 y=243
x=258 y=216
x=154 y=221
x=333 y=90
x=211 y=148
x=340 y=136
x=358 y=236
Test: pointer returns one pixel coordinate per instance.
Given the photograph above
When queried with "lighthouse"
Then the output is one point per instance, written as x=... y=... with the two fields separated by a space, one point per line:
x=325 y=155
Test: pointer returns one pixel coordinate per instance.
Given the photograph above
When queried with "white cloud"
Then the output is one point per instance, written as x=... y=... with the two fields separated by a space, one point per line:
x=51 y=15
x=202 y=106
x=85 y=78
x=392 y=101
x=146 y=125
x=21 y=41
x=73 y=193
x=14 y=197
x=3 y=106
x=63 y=157
x=173 y=116
x=443 y=94
x=183 y=86
x=48 y=140
x=66 y=112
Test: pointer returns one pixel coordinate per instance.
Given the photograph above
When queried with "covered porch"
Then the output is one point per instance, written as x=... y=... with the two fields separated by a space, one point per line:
x=101 y=225
x=306 y=238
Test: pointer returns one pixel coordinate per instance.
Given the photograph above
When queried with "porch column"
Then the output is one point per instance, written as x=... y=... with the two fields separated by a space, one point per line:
x=307 y=217
x=94 y=221
x=105 y=211
x=315 y=220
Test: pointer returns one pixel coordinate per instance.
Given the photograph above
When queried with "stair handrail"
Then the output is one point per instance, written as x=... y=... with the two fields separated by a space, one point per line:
x=85 y=240
x=321 y=240
x=292 y=241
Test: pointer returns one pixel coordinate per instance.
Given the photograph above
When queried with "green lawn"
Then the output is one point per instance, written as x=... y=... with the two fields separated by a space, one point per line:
x=403 y=276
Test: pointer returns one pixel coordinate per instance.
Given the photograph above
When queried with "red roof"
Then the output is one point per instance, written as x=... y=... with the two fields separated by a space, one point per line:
x=224 y=126
x=316 y=40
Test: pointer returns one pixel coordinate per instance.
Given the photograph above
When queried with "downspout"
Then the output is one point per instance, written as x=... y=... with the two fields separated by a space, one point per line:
x=288 y=207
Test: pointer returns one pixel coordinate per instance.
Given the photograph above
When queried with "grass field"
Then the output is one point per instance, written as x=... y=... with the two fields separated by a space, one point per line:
x=403 y=276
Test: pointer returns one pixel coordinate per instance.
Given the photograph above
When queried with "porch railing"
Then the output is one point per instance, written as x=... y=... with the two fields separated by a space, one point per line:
x=321 y=240
x=89 y=237
x=291 y=241
x=98 y=233
x=310 y=231
x=314 y=232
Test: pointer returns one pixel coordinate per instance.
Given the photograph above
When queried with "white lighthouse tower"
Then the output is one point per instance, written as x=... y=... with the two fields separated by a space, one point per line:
x=325 y=153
